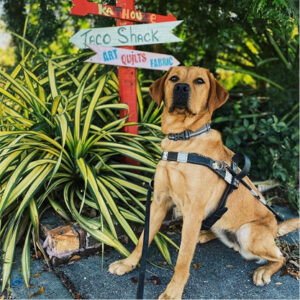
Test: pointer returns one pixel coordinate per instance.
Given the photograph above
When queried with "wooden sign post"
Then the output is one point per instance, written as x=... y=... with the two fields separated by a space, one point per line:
x=127 y=36
x=127 y=78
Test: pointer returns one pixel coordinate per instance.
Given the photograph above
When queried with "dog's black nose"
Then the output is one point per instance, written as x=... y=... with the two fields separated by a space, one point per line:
x=181 y=95
x=183 y=88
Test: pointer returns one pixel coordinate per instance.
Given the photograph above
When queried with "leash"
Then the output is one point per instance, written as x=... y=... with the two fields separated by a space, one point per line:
x=142 y=270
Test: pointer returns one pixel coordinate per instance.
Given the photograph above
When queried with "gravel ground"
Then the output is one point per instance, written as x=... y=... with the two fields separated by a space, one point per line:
x=220 y=273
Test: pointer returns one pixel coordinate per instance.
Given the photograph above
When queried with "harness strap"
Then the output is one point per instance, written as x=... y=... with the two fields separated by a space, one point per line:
x=232 y=178
x=209 y=221
x=193 y=158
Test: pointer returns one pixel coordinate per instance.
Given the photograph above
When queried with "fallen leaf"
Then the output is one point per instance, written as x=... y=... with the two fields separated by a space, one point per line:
x=2 y=297
x=162 y=264
x=278 y=283
x=155 y=280
x=229 y=266
x=36 y=275
x=295 y=274
x=197 y=266
x=134 y=279
x=78 y=296
x=74 y=257
x=284 y=272
x=39 y=292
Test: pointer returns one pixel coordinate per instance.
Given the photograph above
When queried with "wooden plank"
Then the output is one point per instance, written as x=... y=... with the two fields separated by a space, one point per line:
x=132 y=35
x=131 y=58
x=84 y=7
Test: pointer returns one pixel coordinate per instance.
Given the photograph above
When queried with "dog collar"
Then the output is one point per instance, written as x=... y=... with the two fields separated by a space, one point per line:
x=188 y=134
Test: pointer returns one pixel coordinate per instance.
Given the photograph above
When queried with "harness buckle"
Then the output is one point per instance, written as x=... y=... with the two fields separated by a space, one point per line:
x=165 y=155
x=219 y=165
x=182 y=157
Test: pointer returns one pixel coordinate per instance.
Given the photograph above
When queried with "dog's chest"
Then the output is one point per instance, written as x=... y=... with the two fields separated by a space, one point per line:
x=185 y=183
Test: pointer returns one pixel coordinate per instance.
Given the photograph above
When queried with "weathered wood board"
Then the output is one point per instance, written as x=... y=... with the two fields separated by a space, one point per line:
x=84 y=7
x=131 y=58
x=132 y=35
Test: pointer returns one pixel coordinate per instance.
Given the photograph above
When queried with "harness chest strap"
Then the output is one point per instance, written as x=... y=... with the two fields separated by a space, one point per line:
x=227 y=173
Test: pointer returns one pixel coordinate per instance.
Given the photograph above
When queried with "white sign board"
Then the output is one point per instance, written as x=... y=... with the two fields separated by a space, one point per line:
x=131 y=58
x=132 y=35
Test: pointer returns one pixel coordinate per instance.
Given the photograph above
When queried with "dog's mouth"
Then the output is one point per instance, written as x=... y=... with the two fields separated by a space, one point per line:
x=180 y=110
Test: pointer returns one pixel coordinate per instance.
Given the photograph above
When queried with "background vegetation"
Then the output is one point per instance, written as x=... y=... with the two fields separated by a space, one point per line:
x=59 y=117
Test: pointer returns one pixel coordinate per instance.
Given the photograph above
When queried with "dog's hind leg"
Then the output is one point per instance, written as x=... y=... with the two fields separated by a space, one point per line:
x=206 y=236
x=159 y=208
x=257 y=242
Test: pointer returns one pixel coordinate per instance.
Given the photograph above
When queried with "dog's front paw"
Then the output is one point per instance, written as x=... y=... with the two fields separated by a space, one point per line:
x=171 y=293
x=262 y=276
x=121 y=267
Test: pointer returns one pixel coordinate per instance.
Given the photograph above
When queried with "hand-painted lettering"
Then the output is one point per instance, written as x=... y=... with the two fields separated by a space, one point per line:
x=125 y=38
x=106 y=39
x=85 y=34
x=161 y=62
x=105 y=10
x=153 y=35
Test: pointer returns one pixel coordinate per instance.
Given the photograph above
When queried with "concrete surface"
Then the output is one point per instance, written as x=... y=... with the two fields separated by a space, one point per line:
x=53 y=287
x=223 y=274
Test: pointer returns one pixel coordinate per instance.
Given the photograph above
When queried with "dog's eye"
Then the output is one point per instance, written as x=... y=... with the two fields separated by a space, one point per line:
x=199 y=81
x=174 y=78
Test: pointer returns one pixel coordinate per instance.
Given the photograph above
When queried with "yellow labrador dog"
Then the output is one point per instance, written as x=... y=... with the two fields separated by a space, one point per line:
x=191 y=94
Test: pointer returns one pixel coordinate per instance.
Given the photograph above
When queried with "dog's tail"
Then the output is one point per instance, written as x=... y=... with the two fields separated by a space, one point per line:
x=288 y=226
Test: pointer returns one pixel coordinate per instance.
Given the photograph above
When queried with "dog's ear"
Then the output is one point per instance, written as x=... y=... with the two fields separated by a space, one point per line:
x=157 y=88
x=217 y=94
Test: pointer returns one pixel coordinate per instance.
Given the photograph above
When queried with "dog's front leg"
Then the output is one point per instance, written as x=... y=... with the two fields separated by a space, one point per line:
x=192 y=219
x=159 y=208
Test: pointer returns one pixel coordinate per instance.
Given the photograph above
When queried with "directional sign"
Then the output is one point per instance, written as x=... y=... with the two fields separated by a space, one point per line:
x=131 y=58
x=84 y=7
x=132 y=35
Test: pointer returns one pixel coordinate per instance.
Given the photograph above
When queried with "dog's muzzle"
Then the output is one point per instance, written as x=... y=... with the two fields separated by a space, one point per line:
x=181 y=95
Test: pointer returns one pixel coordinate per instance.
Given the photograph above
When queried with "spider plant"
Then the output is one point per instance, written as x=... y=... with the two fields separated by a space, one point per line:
x=60 y=144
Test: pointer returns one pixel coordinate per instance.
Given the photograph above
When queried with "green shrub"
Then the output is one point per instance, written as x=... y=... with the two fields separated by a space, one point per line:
x=250 y=126
x=60 y=147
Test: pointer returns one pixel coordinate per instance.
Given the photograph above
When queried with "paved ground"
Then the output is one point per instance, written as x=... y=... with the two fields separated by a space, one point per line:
x=223 y=274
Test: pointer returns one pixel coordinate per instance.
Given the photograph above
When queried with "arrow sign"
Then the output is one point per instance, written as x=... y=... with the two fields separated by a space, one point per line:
x=131 y=58
x=84 y=7
x=132 y=35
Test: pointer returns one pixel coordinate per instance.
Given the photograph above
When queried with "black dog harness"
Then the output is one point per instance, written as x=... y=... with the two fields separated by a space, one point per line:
x=228 y=173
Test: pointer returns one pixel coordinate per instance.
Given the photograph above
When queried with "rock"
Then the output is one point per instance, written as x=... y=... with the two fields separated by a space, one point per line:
x=64 y=241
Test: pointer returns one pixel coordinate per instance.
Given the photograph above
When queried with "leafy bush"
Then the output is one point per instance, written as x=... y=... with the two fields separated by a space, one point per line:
x=270 y=142
x=60 y=147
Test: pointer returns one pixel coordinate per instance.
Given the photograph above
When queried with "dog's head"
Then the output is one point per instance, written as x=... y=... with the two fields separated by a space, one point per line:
x=191 y=92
